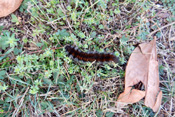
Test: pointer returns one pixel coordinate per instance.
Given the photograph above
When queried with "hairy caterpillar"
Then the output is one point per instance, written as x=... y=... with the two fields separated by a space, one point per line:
x=77 y=54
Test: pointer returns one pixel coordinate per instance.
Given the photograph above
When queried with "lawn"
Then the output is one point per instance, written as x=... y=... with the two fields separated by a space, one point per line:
x=37 y=78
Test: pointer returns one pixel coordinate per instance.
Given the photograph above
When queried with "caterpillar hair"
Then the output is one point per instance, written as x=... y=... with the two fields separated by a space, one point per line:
x=78 y=55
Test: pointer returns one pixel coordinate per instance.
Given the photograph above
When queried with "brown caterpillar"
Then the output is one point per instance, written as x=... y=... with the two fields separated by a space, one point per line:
x=78 y=55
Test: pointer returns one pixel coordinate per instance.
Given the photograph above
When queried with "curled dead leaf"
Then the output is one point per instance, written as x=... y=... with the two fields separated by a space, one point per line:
x=130 y=95
x=8 y=6
x=142 y=67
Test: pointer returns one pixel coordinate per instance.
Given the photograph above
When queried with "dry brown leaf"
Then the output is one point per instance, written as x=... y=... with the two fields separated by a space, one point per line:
x=131 y=96
x=142 y=66
x=8 y=6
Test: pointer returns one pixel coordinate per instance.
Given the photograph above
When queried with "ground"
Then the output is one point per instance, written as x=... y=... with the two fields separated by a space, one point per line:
x=38 y=78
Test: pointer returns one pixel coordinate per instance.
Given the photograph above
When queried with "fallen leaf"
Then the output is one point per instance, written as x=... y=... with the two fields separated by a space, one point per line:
x=8 y=6
x=158 y=102
x=131 y=96
x=142 y=67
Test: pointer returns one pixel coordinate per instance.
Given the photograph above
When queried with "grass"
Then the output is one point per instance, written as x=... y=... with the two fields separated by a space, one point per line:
x=37 y=78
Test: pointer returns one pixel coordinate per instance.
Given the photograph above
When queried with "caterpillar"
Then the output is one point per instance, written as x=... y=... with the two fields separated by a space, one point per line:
x=79 y=55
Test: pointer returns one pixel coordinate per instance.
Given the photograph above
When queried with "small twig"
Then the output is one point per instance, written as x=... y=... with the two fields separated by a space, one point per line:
x=57 y=48
x=38 y=51
x=169 y=36
x=7 y=61
x=67 y=71
x=20 y=103
x=160 y=29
